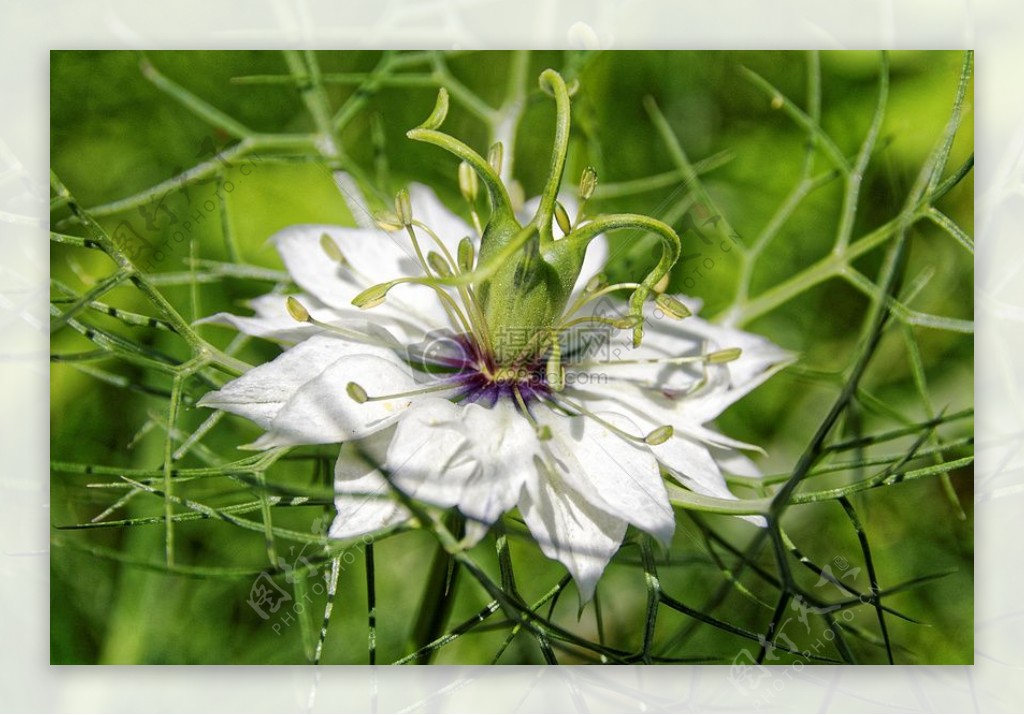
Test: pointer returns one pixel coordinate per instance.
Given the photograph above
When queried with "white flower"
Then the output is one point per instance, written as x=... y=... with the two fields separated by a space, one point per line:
x=575 y=462
x=497 y=372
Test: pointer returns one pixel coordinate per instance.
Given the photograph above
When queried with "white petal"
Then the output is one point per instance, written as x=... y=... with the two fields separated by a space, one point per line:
x=272 y=320
x=692 y=462
x=733 y=462
x=260 y=393
x=570 y=529
x=473 y=457
x=322 y=411
x=373 y=257
x=423 y=456
x=364 y=503
x=616 y=475
x=502 y=443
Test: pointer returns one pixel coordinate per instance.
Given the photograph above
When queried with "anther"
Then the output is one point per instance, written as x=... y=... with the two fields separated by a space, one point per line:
x=387 y=221
x=562 y=217
x=672 y=306
x=469 y=185
x=660 y=435
x=357 y=393
x=297 y=310
x=372 y=296
x=588 y=183
x=722 y=356
x=495 y=156
x=330 y=247
x=403 y=207
x=438 y=264
x=467 y=255
x=627 y=322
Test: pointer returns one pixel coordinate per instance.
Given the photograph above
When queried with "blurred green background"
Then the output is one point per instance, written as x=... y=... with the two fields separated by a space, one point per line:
x=115 y=133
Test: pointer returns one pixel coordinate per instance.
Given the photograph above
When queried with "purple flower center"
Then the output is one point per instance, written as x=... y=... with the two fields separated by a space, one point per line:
x=459 y=360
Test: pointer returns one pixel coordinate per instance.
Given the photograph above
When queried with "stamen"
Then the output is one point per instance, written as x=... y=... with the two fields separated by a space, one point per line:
x=469 y=185
x=660 y=435
x=330 y=247
x=299 y=313
x=723 y=356
x=358 y=394
x=554 y=372
x=495 y=156
x=595 y=283
x=438 y=264
x=579 y=409
x=465 y=265
x=403 y=207
x=297 y=310
x=672 y=307
x=599 y=290
x=375 y=295
x=467 y=255
x=562 y=218
x=588 y=183
x=387 y=221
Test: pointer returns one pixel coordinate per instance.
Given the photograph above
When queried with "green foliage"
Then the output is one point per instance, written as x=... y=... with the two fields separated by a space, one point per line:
x=824 y=201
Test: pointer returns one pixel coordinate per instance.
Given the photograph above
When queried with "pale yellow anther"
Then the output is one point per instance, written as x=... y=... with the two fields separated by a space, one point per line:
x=297 y=310
x=330 y=247
x=660 y=435
x=467 y=255
x=372 y=296
x=438 y=264
x=723 y=356
x=562 y=218
x=388 y=221
x=588 y=183
x=403 y=207
x=672 y=307
x=495 y=156
x=357 y=393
